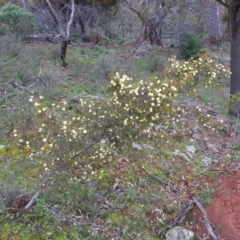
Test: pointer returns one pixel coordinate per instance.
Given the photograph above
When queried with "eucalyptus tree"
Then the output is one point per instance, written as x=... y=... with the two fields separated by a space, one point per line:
x=65 y=32
x=233 y=9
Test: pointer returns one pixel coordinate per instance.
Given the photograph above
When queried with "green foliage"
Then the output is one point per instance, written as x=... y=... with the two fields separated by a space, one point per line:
x=206 y=196
x=234 y=105
x=15 y=20
x=189 y=46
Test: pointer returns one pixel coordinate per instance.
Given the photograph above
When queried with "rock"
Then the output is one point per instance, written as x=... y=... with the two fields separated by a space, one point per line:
x=179 y=233
x=137 y=146
x=191 y=149
x=206 y=161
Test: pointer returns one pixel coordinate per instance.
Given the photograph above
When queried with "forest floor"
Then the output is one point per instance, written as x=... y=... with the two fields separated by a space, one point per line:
x=224 y=211
x=140 y=202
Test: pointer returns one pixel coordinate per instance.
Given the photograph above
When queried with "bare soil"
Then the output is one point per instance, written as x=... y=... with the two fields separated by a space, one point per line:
x=224 y=212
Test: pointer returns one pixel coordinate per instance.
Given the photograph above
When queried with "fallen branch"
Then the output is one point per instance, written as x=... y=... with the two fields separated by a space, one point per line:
x=164 y=183
x=21 y=87
x=211 y=231
x=35 y=196
x=179 y=218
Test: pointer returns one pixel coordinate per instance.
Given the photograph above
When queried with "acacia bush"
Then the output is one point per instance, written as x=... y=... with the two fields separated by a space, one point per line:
x=83 y=140
x=15 y=20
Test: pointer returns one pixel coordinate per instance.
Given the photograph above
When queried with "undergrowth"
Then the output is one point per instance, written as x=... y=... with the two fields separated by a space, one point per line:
x=106 y=155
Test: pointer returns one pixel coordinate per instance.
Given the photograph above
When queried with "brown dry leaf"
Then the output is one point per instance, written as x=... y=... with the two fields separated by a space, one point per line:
x=151 y=216
x=158 y=165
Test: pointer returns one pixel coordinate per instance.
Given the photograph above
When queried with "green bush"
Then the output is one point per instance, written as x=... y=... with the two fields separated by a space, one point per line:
x=189 y=46
x=15 y=20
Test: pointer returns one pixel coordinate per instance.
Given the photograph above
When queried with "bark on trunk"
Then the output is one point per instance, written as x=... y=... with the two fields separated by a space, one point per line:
x=65 y=34
x=235 y=49
x=63 y=52
x=235 y=56
x=152 y=32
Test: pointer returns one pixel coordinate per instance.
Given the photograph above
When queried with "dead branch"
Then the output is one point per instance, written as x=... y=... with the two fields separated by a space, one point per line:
x=70 y=20
x=211 y=231
x=21 y=87
x=179 y=219
x=134 y=9
x=35 y=196
x=55 y=17
x=164 y=183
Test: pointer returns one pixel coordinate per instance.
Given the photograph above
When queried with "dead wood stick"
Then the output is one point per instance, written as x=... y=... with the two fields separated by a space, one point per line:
x=177 y=220
x=17 y=85
x=211 y=231
x=35 y=196
x=164 y=183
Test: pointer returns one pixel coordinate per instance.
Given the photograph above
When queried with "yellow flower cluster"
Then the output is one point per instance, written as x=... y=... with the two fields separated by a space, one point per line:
x=141 y=103
x=202 y=70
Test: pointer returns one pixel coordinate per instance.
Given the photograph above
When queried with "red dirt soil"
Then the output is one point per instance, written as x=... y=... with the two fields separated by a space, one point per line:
x=224 y=212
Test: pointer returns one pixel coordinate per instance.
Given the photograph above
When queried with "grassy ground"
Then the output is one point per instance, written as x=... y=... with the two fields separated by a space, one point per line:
x=142 y=191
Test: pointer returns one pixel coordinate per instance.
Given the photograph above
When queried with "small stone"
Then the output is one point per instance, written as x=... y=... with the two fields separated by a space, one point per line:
x=191 y=149
x=179 y=233
x=206 y=161
x=137 y=146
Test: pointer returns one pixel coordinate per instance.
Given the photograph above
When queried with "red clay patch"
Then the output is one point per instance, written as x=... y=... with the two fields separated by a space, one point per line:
x=224 y=212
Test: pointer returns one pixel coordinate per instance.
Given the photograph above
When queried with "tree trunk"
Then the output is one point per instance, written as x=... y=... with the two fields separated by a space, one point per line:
x=63 y=52
x=152 y=31
x=65 y=34
x=235 y=49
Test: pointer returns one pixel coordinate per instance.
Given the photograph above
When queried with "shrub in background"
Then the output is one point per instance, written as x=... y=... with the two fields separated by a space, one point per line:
x=189 y=46
x=15 y=20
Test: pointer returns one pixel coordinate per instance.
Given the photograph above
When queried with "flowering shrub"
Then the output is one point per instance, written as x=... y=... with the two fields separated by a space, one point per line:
x=202 y=70
x=81 y=141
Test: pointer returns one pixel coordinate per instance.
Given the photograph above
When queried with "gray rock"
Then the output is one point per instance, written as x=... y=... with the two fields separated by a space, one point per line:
x=206 y=161
x=137 y=146
x=191 y=149
x=179 y=233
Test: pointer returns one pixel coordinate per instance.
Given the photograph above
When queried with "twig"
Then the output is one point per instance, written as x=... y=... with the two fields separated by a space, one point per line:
x=210 y=170
x=93 y=143
x=35 y=196
x=179 y=218
x=164 y=183
x=64 y=217
x=211 y=231
x=85 y=149
x=115 y=185
x=16 y=85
